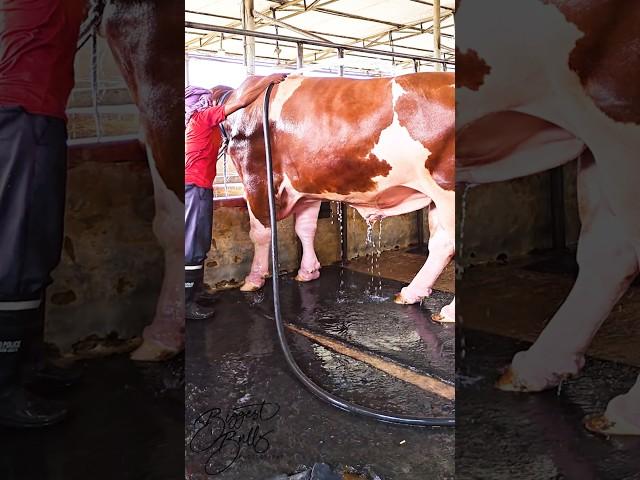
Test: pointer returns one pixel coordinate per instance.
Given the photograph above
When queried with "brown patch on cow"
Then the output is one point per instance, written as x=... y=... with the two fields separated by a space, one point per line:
x=349 y=120
x=346 y=121
x=495 y=136
x=605 y=58
x=470 y=70
x=427 y=111
x=149 y=59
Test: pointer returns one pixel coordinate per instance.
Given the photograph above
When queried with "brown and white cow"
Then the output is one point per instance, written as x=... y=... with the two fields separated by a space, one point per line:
x=144 y=37
x=565 y=86
x=384 y=146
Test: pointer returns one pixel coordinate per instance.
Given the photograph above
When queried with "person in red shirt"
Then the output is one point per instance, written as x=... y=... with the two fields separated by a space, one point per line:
x=202 y=142
x=37 y=49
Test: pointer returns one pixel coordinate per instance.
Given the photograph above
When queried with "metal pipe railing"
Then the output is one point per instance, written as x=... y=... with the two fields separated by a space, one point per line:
x=319 y=43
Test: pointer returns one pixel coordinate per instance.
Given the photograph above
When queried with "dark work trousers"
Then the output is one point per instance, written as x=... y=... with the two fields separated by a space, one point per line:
x=198 y=222
x=33 y=172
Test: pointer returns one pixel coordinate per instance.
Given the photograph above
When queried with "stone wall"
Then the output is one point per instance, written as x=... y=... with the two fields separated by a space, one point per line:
x=111 y=268
x=512 y=219
x=230 y=257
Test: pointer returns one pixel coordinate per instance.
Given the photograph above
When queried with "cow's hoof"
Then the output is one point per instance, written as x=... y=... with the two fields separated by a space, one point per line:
x=151 y=351
x=248 y=286
x=440 y=318
x=599 y=423
x=401 y=299
x=307 y=277
x=509 y=382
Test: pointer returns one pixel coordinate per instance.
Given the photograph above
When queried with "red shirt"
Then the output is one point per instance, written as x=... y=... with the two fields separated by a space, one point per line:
x=37 y=47
x=202 y=141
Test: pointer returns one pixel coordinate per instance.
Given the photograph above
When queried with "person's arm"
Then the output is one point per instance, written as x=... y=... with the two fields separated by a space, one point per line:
x=252 y=93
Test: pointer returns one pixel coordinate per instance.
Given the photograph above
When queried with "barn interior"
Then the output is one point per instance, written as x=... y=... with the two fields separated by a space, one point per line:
x=344 y=323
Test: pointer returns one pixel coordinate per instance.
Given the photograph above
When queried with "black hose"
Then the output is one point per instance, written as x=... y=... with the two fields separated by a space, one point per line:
x=306 y=381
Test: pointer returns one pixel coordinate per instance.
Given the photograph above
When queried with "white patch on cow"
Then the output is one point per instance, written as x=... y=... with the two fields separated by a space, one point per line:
x=530 y=73
x=285 y=90
x=541 y=83
x=396 y=147
x=168 y=206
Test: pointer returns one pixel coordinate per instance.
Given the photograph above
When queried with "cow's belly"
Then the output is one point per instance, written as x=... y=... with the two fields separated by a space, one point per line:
x=386 y=202
x=506 y=145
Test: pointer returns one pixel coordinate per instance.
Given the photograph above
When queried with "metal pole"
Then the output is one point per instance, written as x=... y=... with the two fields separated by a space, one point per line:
x=300 y=55
x=186 y=70
x=419 y=213
x=343 y=206
x=248 y=23
x=436 y=33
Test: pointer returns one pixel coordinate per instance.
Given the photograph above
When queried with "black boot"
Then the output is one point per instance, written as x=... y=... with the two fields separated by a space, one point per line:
x=192 y=287
x=208 y=299
x=18 y=407
x=41 y=373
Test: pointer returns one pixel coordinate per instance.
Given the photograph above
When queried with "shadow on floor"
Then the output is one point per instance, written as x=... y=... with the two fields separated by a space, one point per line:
x=127 y=424
x=504 y=435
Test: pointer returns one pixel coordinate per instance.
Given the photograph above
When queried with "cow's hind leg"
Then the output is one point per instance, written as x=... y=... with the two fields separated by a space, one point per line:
x=306 y=224
x=261 y=238
x=622 y=416
x=441 y=251
x=608 y=263
x=165 y=336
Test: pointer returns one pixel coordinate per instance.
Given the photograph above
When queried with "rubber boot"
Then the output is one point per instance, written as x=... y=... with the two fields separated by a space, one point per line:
x=40 y=373
x=19 y=407
x=192 y=287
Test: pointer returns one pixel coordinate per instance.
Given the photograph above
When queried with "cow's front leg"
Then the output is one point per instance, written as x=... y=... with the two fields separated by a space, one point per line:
x=306 y=224
x=261 y=238
x=622 y=416
x=608 y=264
x=441 y=251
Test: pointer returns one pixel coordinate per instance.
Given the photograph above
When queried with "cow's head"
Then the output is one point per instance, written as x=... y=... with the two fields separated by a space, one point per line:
x=219 y=94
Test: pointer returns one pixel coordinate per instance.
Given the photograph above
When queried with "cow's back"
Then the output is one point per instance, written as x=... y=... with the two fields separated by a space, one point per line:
x=338 y=136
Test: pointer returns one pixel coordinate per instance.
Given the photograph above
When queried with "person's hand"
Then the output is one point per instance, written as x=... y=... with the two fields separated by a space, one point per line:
x=277 y=77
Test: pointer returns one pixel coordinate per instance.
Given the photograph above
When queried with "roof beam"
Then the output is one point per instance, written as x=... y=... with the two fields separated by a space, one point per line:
x=330 y=52
x=330 y=45
x=431 y=5
x=214 y=36
x=282 y=24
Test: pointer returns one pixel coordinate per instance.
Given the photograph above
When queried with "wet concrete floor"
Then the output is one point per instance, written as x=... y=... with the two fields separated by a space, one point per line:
x=127 y=423
x=516 y=300
x=538 y=436
x=234 y=361
x=503 y=435
x=402 y=265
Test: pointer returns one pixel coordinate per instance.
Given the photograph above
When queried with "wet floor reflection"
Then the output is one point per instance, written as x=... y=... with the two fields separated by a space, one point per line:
x=235 y=360
x=127 y=422
x=536 y=436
